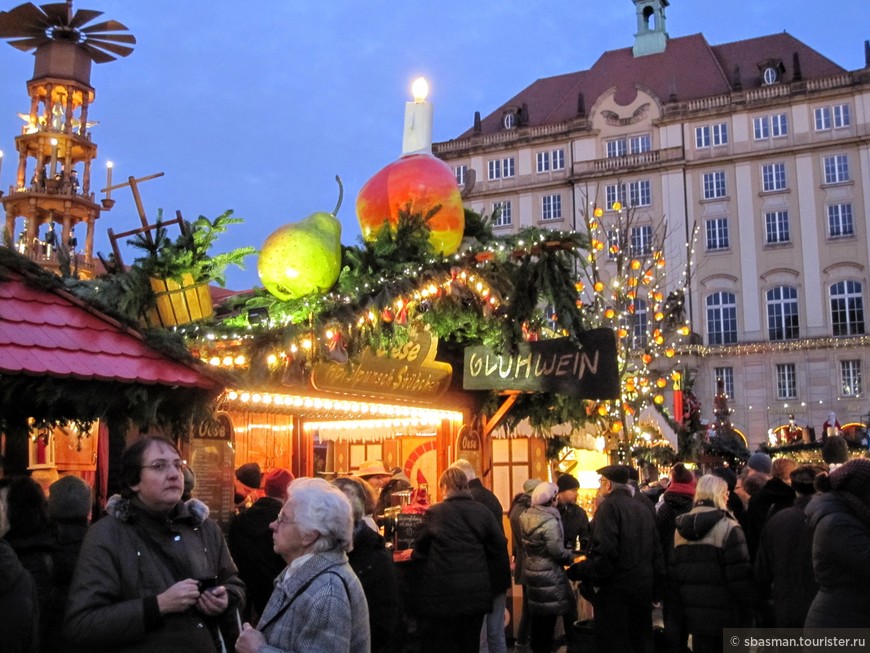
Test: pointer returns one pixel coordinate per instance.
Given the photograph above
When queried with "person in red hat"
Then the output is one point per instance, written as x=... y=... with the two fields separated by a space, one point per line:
x=250 y=542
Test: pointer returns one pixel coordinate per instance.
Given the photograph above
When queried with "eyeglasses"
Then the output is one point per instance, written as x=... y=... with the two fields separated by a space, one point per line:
x=282 y=519
x=162 y=466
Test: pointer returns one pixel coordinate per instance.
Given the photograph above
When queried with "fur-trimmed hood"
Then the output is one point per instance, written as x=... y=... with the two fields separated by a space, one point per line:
x=125 y=510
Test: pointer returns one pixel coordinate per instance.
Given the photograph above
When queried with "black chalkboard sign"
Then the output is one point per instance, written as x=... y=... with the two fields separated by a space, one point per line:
x=407 y=529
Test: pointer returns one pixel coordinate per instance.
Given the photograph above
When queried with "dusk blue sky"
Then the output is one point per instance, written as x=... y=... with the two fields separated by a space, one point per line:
x=255 y=106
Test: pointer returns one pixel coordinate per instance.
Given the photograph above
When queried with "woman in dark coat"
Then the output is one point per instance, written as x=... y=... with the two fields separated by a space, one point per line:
x=709 y=574
x=840 y=517
x=373 y=564
x=458 y=540
x=550 y=593
x=19 y=606
x=155 y=573
x=32 y=538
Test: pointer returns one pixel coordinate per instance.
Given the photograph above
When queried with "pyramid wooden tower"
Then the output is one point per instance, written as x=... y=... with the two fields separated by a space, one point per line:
x=52 y=192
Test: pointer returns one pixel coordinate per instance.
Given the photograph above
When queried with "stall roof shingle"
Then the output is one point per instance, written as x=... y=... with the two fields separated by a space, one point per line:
x=49 y=332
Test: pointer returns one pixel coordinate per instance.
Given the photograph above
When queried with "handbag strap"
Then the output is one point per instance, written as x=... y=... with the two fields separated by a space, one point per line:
x=304 y=587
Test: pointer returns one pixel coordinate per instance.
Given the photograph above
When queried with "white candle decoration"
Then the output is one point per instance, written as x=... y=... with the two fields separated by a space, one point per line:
x=53 y=167
x=417 y=134
x=109 y=166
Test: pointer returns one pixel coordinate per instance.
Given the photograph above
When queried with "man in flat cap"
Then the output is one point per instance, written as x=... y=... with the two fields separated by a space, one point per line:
x=623 y=573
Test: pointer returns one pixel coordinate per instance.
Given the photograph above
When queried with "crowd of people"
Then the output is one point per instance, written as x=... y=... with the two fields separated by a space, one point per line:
x=303 y=565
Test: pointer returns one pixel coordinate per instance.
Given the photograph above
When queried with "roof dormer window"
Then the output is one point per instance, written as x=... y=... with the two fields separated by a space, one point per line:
x=771 y=71
x=509 y=120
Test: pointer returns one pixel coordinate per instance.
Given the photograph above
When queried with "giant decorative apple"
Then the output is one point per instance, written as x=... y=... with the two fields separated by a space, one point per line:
x=422 y=181
x=302 y=257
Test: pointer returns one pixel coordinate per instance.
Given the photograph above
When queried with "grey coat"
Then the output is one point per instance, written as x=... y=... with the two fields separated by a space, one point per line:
x=543 y=569
x=127 y=559
x=321 y=608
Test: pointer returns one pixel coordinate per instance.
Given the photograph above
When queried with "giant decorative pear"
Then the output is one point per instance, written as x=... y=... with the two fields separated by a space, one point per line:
x=303 y=257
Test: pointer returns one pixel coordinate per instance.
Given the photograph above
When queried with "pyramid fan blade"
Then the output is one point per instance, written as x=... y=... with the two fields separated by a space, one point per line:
x=57 y=12
x=107 y=26
x=83 y=16
x=23 y=20
x=97 y=55
x=28 y=44
x=118 y=38
x=120 y=50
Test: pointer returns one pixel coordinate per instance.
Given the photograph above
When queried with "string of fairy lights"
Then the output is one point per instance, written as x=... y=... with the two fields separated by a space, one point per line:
x=624 y=286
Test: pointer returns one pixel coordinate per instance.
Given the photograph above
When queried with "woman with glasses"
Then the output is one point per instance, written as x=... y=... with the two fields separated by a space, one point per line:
x=155 y=573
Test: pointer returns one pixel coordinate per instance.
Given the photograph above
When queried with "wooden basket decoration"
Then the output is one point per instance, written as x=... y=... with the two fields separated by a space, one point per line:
x=179 y=303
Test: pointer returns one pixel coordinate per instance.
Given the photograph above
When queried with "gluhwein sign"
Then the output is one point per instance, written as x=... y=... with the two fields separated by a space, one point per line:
x=585 y=368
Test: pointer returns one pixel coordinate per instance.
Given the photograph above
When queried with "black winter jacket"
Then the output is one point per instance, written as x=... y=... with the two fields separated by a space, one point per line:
x=672 y=506
x=500 y=568
x=458 y=540
x=544 y=567
x=249 y=539
x=841 y=561
x=625 y=554
x=373 y=565
x=19 y=632
x=710 y=576
x=784 y=565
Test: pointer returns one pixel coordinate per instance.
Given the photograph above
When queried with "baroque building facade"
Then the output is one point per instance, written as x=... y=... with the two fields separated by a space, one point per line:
x=756 y=157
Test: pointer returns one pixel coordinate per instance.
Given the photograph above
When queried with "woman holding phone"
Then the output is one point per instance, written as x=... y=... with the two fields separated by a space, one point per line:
x=155 y=573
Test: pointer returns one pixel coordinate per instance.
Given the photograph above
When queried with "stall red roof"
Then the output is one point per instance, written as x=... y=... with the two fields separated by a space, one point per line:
x=50 y=332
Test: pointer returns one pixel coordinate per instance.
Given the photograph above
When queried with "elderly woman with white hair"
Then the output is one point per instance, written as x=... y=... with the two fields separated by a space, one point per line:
x=318 y=603
x=710 y=578
x=550 y=593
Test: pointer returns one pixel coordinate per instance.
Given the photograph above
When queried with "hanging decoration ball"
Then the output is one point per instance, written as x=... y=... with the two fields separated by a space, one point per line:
x=598 y=212
x=659 y=400
x=419 y=183
x=302 y=257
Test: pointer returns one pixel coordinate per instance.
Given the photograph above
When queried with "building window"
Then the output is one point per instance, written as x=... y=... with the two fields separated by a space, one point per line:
x=501 y=212
x=616 y=147
x=554 y=160
x=717 y=233
x=841 y=116
x=776 y=227
x=773 y=177
x=847 y=309
x=782 y=313
x=714 y=185
x=501 y=168
x=641 y=241
x=850 y=378
x=836 y=168
x=726 y=374
x=638 y=325
x=711 y=135
x=460 y=171
x=721 y=318
x=776 y=125
x=637 y=144
x=823 y=118
x=551 y=207
x=639 y=193
x=628 y=145
x=835 y=117
x=840 y=222
x=786 y=381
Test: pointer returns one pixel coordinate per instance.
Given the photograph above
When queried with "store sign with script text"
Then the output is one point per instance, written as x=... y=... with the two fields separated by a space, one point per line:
x=587 y=370
x=409 y=371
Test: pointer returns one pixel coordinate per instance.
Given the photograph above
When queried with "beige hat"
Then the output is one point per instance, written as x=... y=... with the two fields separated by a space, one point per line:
x=371 y=468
